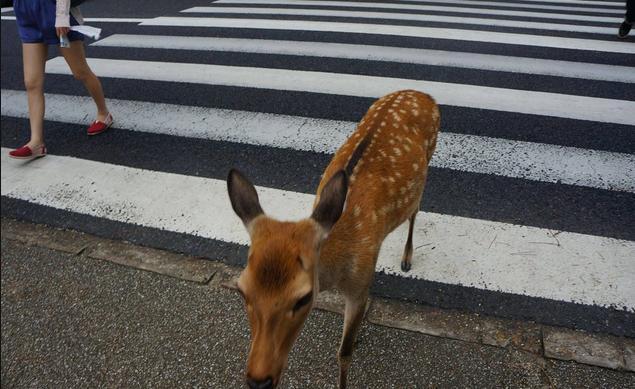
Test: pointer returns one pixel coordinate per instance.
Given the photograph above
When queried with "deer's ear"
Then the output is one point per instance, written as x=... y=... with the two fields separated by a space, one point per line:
x=243 y=197
x=329 y=209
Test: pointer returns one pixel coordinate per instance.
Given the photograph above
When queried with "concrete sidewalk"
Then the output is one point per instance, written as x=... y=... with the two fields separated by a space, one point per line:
x=69 y=320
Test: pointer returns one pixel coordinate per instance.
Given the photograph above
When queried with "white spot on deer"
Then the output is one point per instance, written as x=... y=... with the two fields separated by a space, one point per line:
x=398 y=175
x=359 y=225
x=399 y=203
x=425 y=143
x=415 y=112
x=383 y=124
x=402 y=111
x=403 y=190
x=397 y=151
x=374 y=217
x=415 y=166
x=435 y=114
x=392 y=159
x=407 y=148
x=391 y=179
x=390 y=110
x=357 y=210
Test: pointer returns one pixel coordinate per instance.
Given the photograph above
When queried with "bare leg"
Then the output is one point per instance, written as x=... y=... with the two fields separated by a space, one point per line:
x=353 y=316
x=76 y=59
x=406 y=262
x=34 y=60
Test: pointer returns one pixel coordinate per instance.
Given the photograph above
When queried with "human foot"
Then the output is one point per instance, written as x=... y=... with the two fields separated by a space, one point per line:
x=28 y=152
x=100 y=125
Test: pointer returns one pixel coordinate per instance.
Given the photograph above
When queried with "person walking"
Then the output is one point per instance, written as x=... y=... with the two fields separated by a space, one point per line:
x=626 y=25
x=42 y=23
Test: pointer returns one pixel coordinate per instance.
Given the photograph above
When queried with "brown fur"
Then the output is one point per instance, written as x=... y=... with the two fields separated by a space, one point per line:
x=288 y=260
x=377 y=182
x=281 y=257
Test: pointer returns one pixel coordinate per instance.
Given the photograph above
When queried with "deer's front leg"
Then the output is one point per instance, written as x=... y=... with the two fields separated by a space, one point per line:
x=353 y=316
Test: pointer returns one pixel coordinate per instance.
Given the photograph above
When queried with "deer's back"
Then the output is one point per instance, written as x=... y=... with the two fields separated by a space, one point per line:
x=387 y=181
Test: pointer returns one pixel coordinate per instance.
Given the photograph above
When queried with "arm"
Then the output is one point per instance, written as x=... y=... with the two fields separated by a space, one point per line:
x=62 y=13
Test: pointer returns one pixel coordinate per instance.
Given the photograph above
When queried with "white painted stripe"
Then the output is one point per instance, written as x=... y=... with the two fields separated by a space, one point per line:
x=412 y=31
x=498 y=99
x=454 y=250
x=100 y=20
x=532 y=161
x=580 y=2
x=430 y=8
x=405 y=16
x=378 y=53
x=6 y=9
x=510 y=4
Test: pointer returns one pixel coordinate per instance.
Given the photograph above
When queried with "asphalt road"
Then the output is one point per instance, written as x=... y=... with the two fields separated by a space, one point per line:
x=72 y=321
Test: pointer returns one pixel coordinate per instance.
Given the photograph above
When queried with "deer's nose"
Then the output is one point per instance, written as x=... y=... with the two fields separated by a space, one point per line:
x=264 y=384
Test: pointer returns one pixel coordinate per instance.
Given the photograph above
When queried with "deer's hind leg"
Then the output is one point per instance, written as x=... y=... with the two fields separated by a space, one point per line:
x=406 y=261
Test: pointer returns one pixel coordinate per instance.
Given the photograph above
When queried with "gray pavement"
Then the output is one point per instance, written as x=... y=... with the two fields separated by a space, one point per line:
x=73 y=321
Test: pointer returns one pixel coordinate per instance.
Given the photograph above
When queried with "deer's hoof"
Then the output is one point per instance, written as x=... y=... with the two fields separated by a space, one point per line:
x=405 y=266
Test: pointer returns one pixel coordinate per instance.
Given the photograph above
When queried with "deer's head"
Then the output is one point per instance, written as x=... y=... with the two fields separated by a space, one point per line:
x=280 y=281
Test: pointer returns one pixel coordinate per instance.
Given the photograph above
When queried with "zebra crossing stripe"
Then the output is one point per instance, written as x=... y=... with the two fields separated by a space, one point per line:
x=454 y=250
x=410 y=31
x=428 y=8
x=579 y=2
x=462 y=95
x=98 y=20
x=512 y=4
x=467 y=60
x=405 y=16
x=477 y=154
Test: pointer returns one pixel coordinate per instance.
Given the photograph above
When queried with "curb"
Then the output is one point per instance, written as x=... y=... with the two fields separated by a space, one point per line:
x=542 y=341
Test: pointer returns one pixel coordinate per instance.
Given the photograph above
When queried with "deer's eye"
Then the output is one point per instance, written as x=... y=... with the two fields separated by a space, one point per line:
x=302 y=302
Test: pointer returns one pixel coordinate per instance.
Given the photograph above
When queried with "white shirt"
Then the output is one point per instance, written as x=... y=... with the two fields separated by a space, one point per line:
x=63 y=11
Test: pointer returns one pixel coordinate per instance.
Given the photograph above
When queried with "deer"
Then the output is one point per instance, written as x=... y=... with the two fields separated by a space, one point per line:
x=373 y=184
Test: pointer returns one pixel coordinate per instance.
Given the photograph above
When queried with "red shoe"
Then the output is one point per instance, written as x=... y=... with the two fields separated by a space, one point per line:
x=98 y=126
x=25 y=152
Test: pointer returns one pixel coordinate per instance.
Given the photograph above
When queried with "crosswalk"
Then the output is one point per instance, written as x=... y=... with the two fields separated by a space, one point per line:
x=529 y=210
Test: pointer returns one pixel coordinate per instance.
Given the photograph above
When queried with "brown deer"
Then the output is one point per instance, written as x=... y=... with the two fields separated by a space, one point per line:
x=373 y=184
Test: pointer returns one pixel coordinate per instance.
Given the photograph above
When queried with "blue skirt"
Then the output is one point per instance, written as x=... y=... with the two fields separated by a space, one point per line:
x=36 y=22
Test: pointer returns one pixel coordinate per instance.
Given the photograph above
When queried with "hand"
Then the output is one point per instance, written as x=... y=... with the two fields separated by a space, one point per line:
x=62 y=31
